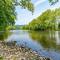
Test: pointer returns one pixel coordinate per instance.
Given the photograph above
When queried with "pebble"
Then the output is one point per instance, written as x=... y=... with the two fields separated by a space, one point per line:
x=18 y=53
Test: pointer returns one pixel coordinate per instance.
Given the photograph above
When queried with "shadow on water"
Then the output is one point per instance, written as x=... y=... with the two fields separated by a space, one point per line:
x=48 y=40
x=4 y=35
x=3 y=38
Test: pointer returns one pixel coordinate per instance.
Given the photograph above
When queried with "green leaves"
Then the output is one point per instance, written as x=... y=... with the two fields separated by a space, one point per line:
x=46 y=21
x=7 y=10
x=53 y=1
x=27 y=4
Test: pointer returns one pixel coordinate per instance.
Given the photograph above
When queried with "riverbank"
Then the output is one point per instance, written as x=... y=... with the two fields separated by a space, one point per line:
x=10 y=51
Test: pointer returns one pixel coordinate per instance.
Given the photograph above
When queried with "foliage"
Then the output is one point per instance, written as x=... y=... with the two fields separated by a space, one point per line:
x=7 y=14
x=46 y=21
x=7 y=11
x=27 y=4
x=53 y=1
x=16 y=27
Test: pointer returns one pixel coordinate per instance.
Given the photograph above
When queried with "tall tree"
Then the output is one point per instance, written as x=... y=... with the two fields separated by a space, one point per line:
x=46 y=21
x=7 y=10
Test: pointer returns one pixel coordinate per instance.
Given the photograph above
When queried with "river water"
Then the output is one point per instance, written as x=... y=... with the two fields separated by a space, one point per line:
x=45 y=43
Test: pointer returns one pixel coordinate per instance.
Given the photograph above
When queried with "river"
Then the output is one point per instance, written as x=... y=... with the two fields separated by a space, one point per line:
x=45 y=43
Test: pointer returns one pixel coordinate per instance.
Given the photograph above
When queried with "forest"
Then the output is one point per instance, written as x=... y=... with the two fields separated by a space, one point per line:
x=46 y=21
x=8 y=13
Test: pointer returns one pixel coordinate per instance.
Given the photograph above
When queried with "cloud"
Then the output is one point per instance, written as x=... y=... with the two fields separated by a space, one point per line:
x=39 y=2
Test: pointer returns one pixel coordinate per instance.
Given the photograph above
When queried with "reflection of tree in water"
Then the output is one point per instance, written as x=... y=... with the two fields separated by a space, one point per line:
x=46 y=39
x=4 y=35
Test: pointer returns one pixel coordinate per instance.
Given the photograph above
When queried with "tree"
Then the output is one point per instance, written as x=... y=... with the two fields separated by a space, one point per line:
x=53 y=1
x=46 y=21
x=7 y=11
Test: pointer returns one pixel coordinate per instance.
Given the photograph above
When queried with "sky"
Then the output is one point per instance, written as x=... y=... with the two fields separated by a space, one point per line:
x=24 y=16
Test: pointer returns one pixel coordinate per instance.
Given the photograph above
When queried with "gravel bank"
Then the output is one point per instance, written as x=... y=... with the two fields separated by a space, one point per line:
x=10 y=51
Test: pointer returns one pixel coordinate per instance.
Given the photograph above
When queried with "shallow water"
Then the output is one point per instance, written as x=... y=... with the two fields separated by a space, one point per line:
x=45 y=43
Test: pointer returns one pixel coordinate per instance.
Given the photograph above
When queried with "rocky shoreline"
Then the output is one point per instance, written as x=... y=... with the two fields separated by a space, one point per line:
x=10 y=51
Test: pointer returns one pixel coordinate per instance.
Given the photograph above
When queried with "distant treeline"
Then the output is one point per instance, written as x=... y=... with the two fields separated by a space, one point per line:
x=16 y=27
x=46 y=21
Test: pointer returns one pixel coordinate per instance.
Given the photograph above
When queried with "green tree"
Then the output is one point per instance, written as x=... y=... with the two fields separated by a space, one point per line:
x=46 y=21
x=53 y=1
x=7 y=11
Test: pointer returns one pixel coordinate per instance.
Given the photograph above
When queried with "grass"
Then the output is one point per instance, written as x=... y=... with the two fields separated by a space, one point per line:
x=1 y=58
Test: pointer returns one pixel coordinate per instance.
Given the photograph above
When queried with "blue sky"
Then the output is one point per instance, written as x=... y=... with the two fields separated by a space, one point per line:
x=24 y=16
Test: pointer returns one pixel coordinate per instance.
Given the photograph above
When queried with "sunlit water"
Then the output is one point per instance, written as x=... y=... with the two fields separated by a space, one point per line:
x=45 y=43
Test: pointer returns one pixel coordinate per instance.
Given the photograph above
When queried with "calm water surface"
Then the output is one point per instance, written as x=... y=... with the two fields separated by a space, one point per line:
x=45 y=43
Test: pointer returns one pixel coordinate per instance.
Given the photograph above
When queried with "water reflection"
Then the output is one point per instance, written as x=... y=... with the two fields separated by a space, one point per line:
x=57 y=37
x=49 y=40
x=4 y=35
x=46 y=43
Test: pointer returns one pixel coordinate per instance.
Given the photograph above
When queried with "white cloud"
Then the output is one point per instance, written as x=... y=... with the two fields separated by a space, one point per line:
x=39 y=2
